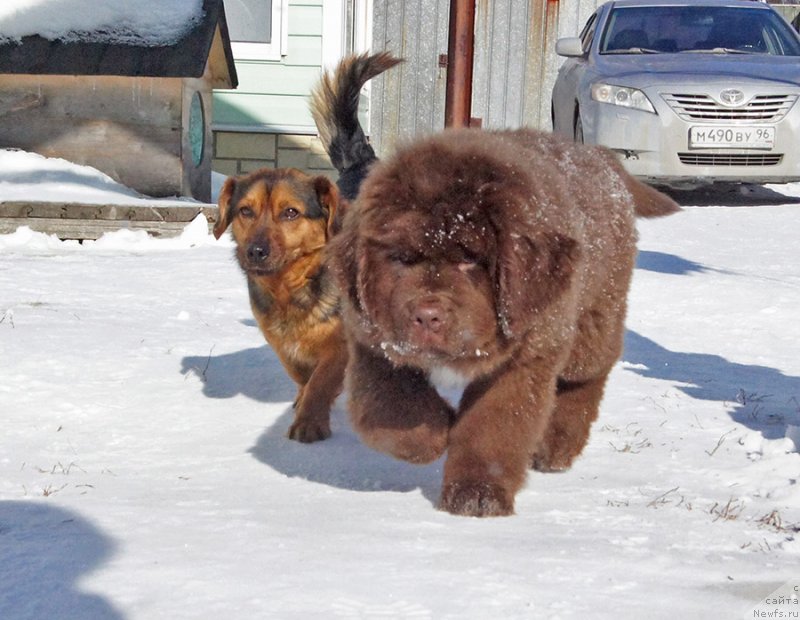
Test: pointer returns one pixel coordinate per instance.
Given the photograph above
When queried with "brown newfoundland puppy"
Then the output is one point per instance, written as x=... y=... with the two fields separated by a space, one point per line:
x=484 y=279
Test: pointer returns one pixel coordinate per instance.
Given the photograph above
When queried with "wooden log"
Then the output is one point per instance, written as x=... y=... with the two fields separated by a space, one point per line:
x=116 y=212
x=89 y=229
x=90 y=221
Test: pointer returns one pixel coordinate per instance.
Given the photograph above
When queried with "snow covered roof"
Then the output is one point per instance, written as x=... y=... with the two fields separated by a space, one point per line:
x=148 y=38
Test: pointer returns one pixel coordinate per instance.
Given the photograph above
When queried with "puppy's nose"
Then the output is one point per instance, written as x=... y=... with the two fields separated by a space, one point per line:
x=257 y=252
x=429 y=316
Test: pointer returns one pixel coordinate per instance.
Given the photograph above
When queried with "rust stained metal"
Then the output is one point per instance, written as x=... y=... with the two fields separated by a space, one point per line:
x=460 y=50
x=541 y=62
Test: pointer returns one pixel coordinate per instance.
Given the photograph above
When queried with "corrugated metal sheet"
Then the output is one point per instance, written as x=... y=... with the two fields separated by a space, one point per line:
x=501 y=46
x=515 y=59
x=408 y=100
x=515 y=63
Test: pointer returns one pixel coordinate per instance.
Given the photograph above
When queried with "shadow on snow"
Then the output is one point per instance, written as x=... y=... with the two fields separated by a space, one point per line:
x=661 y=262
x=761 y=398
x=44 y=552
x=341 y=461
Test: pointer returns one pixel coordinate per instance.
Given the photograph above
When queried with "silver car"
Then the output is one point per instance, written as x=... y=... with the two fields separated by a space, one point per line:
x=687 y=92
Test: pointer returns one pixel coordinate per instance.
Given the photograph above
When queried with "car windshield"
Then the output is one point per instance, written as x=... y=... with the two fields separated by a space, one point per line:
x=697 y=29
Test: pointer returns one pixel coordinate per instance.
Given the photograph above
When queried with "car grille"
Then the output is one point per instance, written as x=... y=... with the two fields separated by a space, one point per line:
x=703 y=108
x=715 y=159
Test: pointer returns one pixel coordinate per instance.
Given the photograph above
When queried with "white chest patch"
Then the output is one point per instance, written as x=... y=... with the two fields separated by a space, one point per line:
x=449 y=384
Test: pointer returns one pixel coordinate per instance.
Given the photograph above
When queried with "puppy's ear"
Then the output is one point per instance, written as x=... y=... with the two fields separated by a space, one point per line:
x=531 y=272
x=224 y=207
x=328 y=196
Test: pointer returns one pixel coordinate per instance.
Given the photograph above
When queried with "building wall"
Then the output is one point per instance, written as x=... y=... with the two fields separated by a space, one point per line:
x=242 y=152
x=408 y=100
x=266 y=121
x=515 y=64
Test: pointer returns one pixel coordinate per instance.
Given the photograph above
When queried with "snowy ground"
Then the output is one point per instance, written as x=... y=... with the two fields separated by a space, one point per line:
x=144 y=471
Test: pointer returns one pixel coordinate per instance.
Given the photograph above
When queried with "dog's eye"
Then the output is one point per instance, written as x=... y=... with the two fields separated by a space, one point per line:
x=469 y=261
x=246 y=212
x=290 y=213
x=407 y=259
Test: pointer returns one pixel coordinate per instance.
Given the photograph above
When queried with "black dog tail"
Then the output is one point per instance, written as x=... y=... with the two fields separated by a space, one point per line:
x=334 y=106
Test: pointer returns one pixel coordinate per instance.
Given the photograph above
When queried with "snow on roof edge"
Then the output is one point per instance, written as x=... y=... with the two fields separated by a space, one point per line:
x=148 y=23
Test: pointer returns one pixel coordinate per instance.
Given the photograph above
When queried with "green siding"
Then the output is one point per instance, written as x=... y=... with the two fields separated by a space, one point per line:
x=262 y=110
x=275 y=79
x=275 y=93
x=304 y=51
x=305 y=20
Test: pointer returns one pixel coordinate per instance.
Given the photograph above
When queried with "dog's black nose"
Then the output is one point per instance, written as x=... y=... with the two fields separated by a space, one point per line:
x=257 y=252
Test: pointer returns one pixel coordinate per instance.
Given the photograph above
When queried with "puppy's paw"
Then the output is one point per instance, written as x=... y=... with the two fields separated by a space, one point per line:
x=476 y=499
x=420 y=445
x=552 y=461
x=309 y=431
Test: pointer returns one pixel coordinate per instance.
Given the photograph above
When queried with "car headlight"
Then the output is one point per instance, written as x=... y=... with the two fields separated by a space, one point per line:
x=622 y=96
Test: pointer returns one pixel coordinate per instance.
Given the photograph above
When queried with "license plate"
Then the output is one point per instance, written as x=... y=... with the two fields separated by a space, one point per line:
x=731 y=136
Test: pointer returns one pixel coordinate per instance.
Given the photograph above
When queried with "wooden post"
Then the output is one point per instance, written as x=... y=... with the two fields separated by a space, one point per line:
x=460 y=49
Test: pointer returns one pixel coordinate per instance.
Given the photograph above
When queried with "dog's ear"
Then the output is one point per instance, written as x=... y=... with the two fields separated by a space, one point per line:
x=531 y=271
x=328 y=196
x=224 y=207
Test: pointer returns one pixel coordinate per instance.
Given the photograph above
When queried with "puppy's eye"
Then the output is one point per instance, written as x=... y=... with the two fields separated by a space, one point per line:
x=290 y=213
x=247 y=213
x=408 y=259
x=470 y=261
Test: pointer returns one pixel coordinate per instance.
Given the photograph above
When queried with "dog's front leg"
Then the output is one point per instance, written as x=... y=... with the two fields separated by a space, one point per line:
x=490 y=445
x=315 y=398
x=576 y=407
x=394 y=409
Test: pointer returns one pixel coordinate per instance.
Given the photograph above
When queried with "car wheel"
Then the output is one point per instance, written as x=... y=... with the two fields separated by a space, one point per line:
x=578 y=128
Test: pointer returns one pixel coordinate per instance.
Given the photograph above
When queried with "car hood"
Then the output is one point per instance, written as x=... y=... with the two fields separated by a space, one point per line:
x=645 y=70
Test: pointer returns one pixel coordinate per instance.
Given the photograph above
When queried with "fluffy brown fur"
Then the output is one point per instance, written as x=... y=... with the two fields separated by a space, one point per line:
x=281 y=220
x=497 y=263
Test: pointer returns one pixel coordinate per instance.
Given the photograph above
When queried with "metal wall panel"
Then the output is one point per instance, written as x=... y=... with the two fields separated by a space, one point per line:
x=408 y=100
x=515 y=59
x=515 y=63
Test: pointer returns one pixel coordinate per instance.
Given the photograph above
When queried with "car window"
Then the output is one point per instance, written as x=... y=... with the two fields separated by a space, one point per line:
x=697 y=28
x=587 y=34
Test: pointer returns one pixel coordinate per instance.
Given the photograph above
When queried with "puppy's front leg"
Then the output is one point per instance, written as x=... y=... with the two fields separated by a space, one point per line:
x=490 y=445
x=394 y=409
x=576 y=407
x=315 y=398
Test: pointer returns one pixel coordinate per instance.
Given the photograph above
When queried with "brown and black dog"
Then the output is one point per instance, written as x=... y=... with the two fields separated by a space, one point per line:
x=281 y=219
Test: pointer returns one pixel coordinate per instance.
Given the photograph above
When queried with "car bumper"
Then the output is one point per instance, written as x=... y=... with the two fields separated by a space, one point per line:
x=656 y=147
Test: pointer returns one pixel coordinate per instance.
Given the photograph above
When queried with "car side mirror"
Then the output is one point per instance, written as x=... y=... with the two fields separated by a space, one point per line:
x=569 y=46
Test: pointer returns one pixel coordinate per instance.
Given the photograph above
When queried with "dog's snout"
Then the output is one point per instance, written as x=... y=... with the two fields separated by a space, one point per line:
x=430 y=316
x=257 y=252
